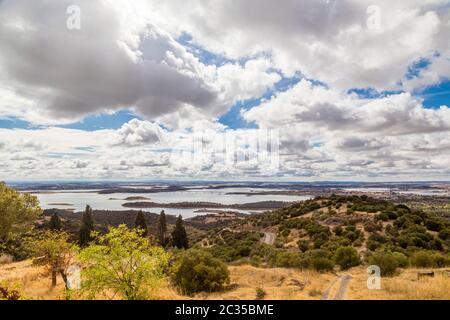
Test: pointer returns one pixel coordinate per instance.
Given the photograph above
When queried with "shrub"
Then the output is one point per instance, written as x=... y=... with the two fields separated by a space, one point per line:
x=287 y=260
x=314 y=293
x=338 y=231
x=444 y=234
x=386 y=261
x=260 y=294
x=322 y=264
x=346 y=257
x=303 y=245
x=422 y=259
x=441 y=260
x=197 y=271
x=433 y=225
x=402 y=260
x=9 y=293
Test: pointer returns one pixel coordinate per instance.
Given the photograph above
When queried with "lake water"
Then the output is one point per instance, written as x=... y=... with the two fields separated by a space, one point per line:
x=77 y=200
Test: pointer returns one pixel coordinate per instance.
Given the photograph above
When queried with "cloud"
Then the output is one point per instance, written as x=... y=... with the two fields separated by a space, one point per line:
x=138 y=132
x=316 y=109
x=324 y=40
x=118 y=59
x=128 y=55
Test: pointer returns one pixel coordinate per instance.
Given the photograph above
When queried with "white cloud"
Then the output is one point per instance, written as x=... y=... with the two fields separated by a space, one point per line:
x=325 y=40
x=118 y=59
x=126 y=56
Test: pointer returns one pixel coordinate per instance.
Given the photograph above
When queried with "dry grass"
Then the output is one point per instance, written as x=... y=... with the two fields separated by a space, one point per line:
x=34 y=282
x=404 y=286
x=279 y=284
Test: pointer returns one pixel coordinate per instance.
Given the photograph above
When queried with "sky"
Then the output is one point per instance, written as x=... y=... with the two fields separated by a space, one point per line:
x=336 y=89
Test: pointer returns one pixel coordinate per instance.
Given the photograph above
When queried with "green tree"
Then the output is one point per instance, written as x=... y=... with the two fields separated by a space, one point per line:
x=141 y=223
x=18 y=212
x=87 y=227
x=179 y=235
x=54 y=251
x=197 y=271
x=123 y=262
x=387 y=262
x=346 y=257
x=162 y=229
x=55 y=223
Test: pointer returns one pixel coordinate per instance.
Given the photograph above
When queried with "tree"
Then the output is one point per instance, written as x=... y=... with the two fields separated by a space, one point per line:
x=54 y=251
x=179 y=235
x=386 y=261
x=18 y=212
x=55 y=223
x=346 y=257
x=123 y=262
x=87 y=227
x=162 y=229
x=141 y=224
x=197 y=271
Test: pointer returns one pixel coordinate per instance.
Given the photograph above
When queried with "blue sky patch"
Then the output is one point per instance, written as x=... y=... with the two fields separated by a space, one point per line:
x=103 y=121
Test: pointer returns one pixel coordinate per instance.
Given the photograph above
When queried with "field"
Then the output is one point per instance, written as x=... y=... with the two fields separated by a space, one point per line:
x=277 y=283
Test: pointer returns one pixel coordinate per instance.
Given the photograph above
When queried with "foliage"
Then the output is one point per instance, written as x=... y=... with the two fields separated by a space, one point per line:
x=387 y=262
x=322 y=264
x=54 y=251
x=422 y=259
x=55 y=223
x=198 y=271
x=346 y=257
x=141 y=224
x=179 y=235
x=9 y=292
x=18 y=212
x=123 y=262
x=162 y=229
x=87 y=227
x=260 y=294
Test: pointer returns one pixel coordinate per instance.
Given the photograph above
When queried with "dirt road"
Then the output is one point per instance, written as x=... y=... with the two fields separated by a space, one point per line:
x=338 y=287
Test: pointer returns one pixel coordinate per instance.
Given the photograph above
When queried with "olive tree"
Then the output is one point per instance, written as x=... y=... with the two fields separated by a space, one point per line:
x=123 y=262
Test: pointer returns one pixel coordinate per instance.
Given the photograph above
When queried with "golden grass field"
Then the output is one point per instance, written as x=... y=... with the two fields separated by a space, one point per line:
x=279 y=284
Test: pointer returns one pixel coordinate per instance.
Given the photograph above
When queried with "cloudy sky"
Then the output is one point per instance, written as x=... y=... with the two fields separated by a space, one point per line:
x=119 y=89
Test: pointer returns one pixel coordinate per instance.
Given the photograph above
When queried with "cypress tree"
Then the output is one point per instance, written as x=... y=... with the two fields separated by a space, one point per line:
x=87 y=226
x=55 y=223
x=179 y=235
x=141 y=223
x=162 y=229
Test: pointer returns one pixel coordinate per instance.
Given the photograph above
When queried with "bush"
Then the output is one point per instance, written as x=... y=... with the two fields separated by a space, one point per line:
x=444 y=234
x=346 y=257
x=303 y=245
x=9 y=293
x=287 y=260
x=322 y=264
x=197 y=271
x=402 y=260
x=260 y=294
x=386 y=261
x=423 y=259
x=441 y=260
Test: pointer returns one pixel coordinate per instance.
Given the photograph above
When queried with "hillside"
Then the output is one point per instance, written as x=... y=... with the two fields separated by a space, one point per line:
x=309 y=233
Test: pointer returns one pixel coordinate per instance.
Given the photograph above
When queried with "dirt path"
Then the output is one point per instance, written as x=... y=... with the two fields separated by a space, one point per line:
x=269 y=238
x=342 y=291
x=338 y=287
